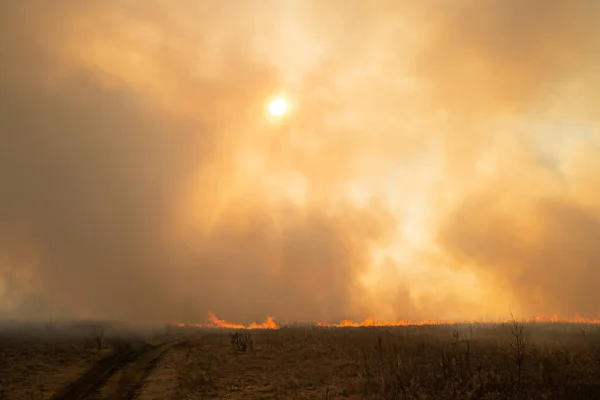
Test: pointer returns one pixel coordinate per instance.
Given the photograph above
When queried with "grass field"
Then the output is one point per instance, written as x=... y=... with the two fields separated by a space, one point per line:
x=528 y=361
x=34 y=366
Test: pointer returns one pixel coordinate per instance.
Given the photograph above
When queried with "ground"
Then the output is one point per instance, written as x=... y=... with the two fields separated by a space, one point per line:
x=551 y=361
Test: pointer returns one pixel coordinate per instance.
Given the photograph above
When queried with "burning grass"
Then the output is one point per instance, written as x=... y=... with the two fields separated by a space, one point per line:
x=215 y=322
x=269 y=323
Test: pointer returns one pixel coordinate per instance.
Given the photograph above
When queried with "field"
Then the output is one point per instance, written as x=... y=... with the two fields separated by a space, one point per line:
x=521 y=361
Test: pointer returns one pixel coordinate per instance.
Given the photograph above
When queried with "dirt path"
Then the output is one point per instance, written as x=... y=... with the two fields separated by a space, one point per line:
x=164 y=381
x=131 y=364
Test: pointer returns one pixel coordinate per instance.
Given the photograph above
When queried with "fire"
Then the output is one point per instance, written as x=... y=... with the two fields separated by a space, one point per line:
x=270 y=323
x=215 y=322
x=370 y=322
x=577 y=319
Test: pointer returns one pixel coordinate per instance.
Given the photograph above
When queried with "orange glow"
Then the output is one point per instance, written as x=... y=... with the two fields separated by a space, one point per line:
x=577 y=319
x=270 y=323
x=215 y=322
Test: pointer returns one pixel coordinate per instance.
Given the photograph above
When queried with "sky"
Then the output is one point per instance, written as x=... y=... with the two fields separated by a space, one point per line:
x=439 y=159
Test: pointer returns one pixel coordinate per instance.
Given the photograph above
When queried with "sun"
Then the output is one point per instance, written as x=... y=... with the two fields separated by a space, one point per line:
x=278 y=107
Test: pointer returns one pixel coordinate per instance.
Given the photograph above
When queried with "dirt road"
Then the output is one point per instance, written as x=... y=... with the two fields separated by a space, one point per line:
x=118 y=376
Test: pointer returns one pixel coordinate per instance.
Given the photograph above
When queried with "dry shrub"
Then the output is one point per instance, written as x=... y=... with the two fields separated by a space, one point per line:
x=241 y=341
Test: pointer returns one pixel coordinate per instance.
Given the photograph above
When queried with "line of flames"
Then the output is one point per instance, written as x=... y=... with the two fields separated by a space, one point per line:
x=215 y=322
x=270 y=323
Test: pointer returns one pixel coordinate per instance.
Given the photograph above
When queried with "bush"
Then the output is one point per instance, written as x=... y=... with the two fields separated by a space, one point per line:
x=241 y=341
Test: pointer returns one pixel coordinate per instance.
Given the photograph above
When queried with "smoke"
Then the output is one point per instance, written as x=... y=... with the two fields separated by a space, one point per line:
x=529 y=220
x=438 y=160
x=508 y=56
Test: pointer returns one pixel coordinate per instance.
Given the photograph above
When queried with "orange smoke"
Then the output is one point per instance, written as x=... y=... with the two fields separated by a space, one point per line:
x=270 y=323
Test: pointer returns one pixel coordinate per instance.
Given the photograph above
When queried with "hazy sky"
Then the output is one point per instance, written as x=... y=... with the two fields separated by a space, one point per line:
x=439 y=160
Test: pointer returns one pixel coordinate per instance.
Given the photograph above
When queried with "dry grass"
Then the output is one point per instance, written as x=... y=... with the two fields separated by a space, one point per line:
x=396 y=363
x=36 y=367
x=442 y=362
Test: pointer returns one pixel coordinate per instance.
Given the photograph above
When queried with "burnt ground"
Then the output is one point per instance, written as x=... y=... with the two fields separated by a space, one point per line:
x=552 y=361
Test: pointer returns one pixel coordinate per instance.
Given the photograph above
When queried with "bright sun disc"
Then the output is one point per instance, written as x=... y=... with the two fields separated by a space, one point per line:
x=278 y=107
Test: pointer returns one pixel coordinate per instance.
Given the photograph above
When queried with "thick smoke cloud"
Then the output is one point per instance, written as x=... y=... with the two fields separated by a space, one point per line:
x=549 y=263
x=531 y=218
x=508 y=56
x=421 y=163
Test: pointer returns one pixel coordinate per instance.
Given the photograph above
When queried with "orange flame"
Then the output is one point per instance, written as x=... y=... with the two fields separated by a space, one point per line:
x=370 y=322
x=576 y=319
x=270 y=323
x=215 y=322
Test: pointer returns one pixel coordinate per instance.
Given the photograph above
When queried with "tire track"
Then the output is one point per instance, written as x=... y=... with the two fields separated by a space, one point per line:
x=136 y=364
x=136 y=374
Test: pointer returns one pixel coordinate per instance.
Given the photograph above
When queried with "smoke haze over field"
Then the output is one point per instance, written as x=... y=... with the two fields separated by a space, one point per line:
x=440 y=160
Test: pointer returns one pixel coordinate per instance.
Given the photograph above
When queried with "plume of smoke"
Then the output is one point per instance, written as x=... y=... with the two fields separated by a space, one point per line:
x=140 y=179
